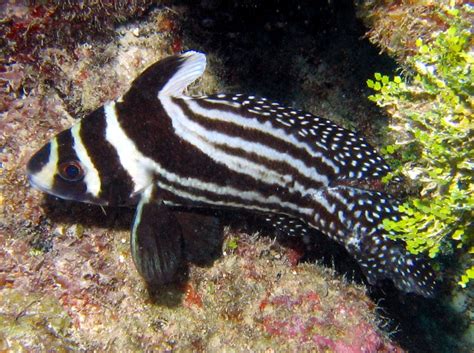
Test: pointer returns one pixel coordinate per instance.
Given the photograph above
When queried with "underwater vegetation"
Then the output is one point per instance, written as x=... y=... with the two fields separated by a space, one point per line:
x=432 y=139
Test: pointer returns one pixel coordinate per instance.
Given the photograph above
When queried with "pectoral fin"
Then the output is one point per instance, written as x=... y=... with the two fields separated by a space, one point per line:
x=202 y=236
x=156 y=240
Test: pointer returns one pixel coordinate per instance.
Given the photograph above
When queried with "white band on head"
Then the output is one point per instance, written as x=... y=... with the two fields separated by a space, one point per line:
x=91 y=178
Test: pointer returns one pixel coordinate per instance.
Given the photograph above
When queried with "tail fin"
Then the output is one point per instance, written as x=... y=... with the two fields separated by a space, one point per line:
x=360 y=214
x=383 y=258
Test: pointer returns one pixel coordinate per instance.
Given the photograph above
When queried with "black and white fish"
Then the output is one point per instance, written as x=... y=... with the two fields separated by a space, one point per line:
x=159 y=148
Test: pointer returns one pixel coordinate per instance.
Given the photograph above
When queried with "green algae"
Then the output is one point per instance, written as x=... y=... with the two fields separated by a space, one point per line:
x=33 y=322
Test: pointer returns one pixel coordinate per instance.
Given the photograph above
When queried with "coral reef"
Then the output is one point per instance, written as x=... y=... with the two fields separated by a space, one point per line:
x=29 y=26
x=67 y=281
x=86 y=294
x=395 y=27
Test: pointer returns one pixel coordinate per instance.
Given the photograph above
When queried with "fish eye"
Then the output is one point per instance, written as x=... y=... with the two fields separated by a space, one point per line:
x=71 y=171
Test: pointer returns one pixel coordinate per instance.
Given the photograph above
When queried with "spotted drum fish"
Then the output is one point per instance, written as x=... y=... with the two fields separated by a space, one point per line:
x=158 y=148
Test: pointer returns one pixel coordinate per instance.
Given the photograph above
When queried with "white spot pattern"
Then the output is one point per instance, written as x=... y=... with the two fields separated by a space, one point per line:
x=346 y=149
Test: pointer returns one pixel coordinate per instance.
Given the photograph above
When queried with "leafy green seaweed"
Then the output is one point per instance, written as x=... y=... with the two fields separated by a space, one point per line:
x=431 y=106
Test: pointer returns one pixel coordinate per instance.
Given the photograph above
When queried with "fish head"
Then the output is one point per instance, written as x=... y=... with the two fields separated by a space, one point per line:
x=79 y=165
x=57 y=169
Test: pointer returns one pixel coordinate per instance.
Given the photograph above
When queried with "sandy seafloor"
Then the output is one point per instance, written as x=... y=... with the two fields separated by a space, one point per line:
x=67 y=280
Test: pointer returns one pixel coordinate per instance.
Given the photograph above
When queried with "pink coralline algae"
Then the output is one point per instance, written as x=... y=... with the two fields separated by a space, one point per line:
x=313 y=326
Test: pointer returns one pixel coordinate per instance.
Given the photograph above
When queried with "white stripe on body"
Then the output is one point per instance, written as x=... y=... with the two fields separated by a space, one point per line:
x=193 y=196
x=226 y=116
x=131 y=159
x=207 y=141
x=142 y=169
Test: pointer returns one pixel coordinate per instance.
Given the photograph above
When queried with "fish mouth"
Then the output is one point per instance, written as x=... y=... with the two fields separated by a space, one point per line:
x=35 y=183
x=87 y=199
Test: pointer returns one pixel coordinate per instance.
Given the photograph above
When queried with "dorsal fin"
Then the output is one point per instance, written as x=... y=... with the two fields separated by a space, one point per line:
x=192 y=67
x=168 y=77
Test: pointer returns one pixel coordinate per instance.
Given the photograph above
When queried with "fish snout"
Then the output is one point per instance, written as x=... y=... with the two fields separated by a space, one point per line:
x=38 y=161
